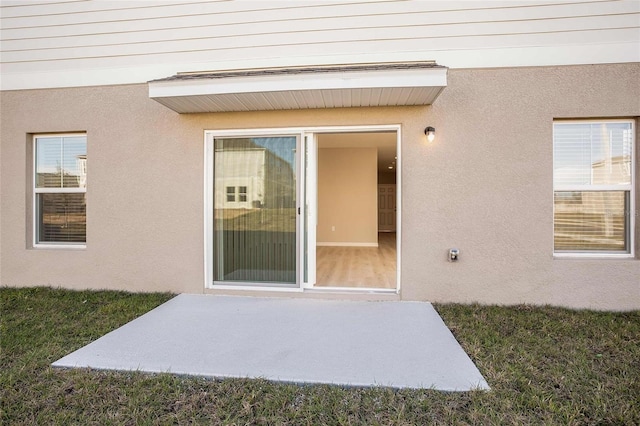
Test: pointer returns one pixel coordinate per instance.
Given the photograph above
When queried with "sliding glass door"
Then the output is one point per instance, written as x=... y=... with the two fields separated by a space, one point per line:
x=255 y=218
x=261 y=214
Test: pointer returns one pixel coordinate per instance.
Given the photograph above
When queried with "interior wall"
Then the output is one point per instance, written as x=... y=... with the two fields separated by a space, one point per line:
x=347 y=196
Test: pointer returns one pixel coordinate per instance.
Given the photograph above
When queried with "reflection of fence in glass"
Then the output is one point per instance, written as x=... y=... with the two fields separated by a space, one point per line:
x=254 y=210
x=591 y=220
x=61 y=180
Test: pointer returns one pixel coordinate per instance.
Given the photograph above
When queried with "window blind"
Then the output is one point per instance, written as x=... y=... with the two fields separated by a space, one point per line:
x=592 y=177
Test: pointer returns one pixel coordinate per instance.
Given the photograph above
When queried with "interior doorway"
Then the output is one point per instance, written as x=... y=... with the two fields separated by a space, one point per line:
x=356 y=245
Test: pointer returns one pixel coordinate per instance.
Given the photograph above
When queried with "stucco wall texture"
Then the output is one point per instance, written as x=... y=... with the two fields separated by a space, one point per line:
x=484 y=186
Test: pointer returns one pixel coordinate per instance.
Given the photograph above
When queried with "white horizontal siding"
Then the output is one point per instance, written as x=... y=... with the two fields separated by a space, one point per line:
x=420 y=25
x=326 y=16
x=60 y=43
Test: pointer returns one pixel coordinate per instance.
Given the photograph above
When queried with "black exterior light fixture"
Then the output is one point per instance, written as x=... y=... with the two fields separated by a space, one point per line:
x=430 y=132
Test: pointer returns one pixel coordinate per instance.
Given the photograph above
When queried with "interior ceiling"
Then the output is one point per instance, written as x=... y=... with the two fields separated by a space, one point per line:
x=385 y=142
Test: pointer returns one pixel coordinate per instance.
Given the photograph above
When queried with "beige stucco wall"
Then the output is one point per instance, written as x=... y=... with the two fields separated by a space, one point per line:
x=487 y=184
x=484 y=186
x=347 y=196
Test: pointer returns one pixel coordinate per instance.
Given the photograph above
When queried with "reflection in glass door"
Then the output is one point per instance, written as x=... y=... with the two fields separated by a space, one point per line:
x=254 y=210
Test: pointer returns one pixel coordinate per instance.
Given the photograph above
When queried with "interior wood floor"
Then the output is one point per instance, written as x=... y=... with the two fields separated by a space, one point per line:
x=373 y=267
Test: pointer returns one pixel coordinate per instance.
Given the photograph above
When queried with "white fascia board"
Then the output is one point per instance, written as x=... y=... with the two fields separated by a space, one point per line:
x=435 y=77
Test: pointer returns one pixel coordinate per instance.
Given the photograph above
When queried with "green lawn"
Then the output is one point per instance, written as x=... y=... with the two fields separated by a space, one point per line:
x=545 y=366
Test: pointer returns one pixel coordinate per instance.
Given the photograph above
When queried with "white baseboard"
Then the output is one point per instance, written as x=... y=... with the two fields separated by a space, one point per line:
x=342 y=244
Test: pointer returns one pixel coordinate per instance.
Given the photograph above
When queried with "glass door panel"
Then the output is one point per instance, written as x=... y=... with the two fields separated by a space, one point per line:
x=255 y=220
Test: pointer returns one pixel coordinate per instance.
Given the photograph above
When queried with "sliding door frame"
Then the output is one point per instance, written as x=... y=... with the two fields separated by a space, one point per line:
x=303 y=135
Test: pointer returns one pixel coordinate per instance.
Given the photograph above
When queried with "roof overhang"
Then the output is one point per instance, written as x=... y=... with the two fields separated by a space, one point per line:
x=387 y=84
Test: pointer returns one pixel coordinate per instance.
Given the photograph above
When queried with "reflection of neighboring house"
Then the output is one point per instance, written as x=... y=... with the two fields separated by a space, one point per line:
x=81 y=161
x=614 y=171
x=253 y=177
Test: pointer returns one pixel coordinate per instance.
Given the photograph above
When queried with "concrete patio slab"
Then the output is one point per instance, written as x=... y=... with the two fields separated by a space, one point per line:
x=395 y=344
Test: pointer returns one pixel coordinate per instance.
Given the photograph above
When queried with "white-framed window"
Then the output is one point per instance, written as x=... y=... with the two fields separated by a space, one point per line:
x=593 y=187
x=59 y=190
x=231 y=194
